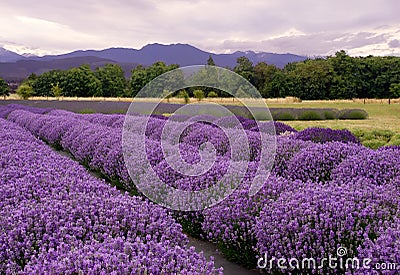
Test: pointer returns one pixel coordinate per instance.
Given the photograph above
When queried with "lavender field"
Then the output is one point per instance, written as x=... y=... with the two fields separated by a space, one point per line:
x=327 y=196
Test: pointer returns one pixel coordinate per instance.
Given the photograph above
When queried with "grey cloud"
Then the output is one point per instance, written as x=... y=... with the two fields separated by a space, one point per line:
x=394 y=44
x=311 y=44
x=213 y=25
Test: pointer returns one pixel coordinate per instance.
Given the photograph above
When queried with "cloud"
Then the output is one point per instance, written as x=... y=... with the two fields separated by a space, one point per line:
x=305 y=27
x=323 y=43
x=395 y=43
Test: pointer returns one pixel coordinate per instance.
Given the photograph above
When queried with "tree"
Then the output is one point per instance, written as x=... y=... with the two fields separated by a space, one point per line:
x=25 y=91
x=279 y=86
x=210 y=61
x=395 y=90
x=263 y=75
x=44 y=83
x=183 y=94
x=141 y=76
x=199 y=94
x=344 y=68
x=31 y=79
x=312 y=79
x=81 y=82
x=56 y=90
x=240 y=93
x=167 y=94
x=4 y=88
x=244 y=68
x=112 y=78
x=138 y=80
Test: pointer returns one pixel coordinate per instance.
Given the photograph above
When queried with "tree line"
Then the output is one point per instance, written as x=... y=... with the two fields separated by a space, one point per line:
x=335 y=77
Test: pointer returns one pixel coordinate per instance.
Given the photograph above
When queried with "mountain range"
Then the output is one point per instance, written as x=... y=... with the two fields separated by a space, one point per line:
x=14 y=66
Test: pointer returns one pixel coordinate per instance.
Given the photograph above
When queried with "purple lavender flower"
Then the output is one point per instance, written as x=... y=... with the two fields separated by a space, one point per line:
x=322 y=135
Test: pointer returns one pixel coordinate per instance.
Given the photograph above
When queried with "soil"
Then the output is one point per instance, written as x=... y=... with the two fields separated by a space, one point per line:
x=209 y=249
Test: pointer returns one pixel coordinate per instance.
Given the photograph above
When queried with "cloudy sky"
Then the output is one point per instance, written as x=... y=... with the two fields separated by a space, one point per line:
x=307 y=27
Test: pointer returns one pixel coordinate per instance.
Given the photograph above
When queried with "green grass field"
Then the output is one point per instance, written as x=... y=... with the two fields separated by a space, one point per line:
x=381 y=128
x=381 y=116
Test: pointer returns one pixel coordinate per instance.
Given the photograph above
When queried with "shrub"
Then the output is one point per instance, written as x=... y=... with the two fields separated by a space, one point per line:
x=384 y=135
x=87 y=111
x=373 y=143
x=395 y=140
x=315 y=163
x=322 y=135
x=319 y=218
x=310 y=115
x=376 y=167
x=25 y=91
x=212 y=94
x=4 y=89
x=376 y=138
x=329 y=114
x=230 y=224
x=353 y=114
x=261 y=115
x=286 y=149
x=284 y=116
x=198 y=94
x=266 y=127
x=56 y=90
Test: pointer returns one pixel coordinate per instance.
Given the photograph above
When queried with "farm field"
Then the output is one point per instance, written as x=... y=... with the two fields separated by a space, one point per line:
x=381 y=128
x=381 y=116
x=327 y=194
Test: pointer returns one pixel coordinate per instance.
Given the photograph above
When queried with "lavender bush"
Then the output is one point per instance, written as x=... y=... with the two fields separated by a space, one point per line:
x=325 y=191
x=318 y=219
x=322 y=135
x=315 y=163
x=230 y=224
x=50 y=208
x=379 y=167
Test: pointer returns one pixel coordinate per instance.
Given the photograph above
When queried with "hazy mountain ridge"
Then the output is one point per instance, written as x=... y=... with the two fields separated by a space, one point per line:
x=13 y=65
x=9 y=56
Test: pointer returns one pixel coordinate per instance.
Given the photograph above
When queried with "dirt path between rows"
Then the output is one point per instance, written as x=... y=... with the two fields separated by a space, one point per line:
x=210 y=249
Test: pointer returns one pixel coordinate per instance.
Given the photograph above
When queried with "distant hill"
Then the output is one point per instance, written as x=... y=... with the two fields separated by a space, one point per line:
x=182 y=54
x=17 y=71
x=9 y=56
x=15 y=66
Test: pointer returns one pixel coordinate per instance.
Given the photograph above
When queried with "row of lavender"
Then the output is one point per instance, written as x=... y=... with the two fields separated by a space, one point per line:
x=55 y=218
x=320 y=197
